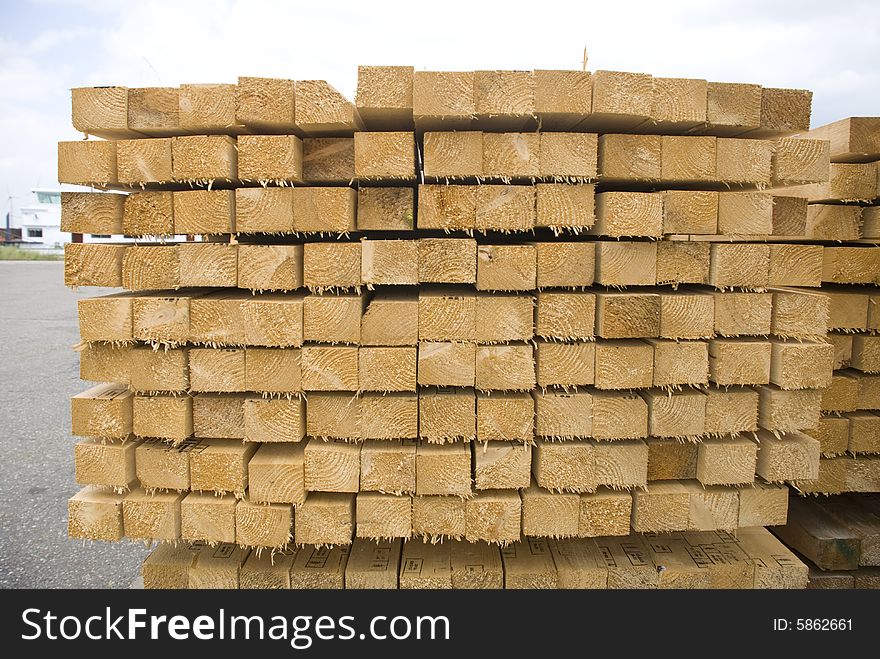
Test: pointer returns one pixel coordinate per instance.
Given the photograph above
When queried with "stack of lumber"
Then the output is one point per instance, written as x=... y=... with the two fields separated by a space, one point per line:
x=848 y=207
x=488 y=306
x=838 y=537
x=752 y=559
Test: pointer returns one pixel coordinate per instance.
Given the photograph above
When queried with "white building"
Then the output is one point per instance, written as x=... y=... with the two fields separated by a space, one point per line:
x=40 y=224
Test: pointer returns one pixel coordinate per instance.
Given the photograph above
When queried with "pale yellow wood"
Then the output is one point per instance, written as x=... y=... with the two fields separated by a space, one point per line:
x=443 y=469
x=621 y=465
x=726 y=461
x=493 y=516
x=675 y=414
x=93 y=264
x=208 y=517
x=220 y=465
x=385 y=209
x=384 y=98
x=104 y=410
x=95 y=514
x=328 y=160
x=263 y=525
x=91 y=212
x=528 y=564
x=326 y=518
x=152 y=515
x=201 y=158
x=447 y=415
x=106 y=463
x=502 y=465
x=264 y=210
x=390 y=319
x=389 y=416
x=276 y=474
x=627 y=315
x=438 y=517
x=333 y=318
x=101 y=111
x=87 y=162
x=322 y=110
x=373 y=564
x=731 y=410
x=563 y=415
x=276 y=158
x=383 y=516
x=789 y=456
x=386 y=156
x=265 y=104
x=144 y=161
x=388 y=466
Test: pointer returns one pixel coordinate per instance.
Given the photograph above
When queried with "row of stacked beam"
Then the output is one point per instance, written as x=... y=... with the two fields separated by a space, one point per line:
x=521 y=483
x=400 y=98
x=753 y=559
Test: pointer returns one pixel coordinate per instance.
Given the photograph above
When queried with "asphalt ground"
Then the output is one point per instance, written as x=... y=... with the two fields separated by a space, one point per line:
x=39 y=371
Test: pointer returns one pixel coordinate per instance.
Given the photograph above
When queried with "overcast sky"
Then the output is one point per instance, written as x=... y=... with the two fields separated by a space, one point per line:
x=49 y=46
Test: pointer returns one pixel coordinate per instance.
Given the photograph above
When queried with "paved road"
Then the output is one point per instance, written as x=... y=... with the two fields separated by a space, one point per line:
x=38 y=374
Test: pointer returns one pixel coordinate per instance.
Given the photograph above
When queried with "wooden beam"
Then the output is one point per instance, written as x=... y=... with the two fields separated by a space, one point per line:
x=426 y=566
x=325 y=518
x=91 y=212
x=562 y=98
x=328 y=160
x=795 y=265
x=217 y=567
x=447 y=207
x=853 y=139
x=801 y=365
x=493 y=516
x=438 y=517
x=565 y=316
x=626 y=315
x=671 y=459
x=789 y=216
x=784 y=410
x=623 y=364
x=383 y=516
x=505 y=99
x=505 y=368
x=447 y=415
x=564 y=264
x=744 y=161
x=686 y=315
x=731 y=410
x=274 y=419
x=220 y=466
x=775 y=565
x=678 y=104
x=213 y=369
x=619 y=415
x=208 y=517
x=443 y=469
x=621 y=263
x=264 y=210
x=744 y=213
x=90 y=162
x=443 y=100
x=265 y=104
x=332 y=266
x=726 y=461
x=675 y=414
x=506 y=267
x=144 y=161
x=387 y=369
x=267 y=570
x=389 y=262
x=616 y=161
x=682 y=263
x=320 y=209
x=446 y=364
x=549 y=514
x=104 y=410
x=504 y=318
x=389 y=416
x=785 y=110
x=219 y=415
x=528 y=564
x=475 y=565
x=390 y=319
x=621 y=465
x=276 y=474
x=384 y=97
x=373 y=564
x=690 y=212
x=333 y=318
x=95 y=514
x=154 y=111
x=385 y=157
x=628 y=563
x=332 y=466
x=105 y=463
x=502 y=465
x=104 y=362
x=263 y=525
x=688 y=159
x=792 y=456
x=604 y=512
x=621 y=214
x=564 y=466
x=388 y=466
x=163 y=466
x=742 y=313
x=151 y=267
x=208 y=108
x=621 y=101
x=565 y=364
x=800 y=162
x=165 y=417
x=850 y=265
x=505 y=208
x=158 y=370
x=275 y=158
x=152 y=516
x=385 y=209
x=563 y=415
x=679 y=362
x=203 y=158
x=739 y=265
x=93 y=264
x=101 y=111
x=321 y=110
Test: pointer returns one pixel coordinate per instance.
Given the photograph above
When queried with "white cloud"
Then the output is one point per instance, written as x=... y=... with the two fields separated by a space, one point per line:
x=831 y=48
